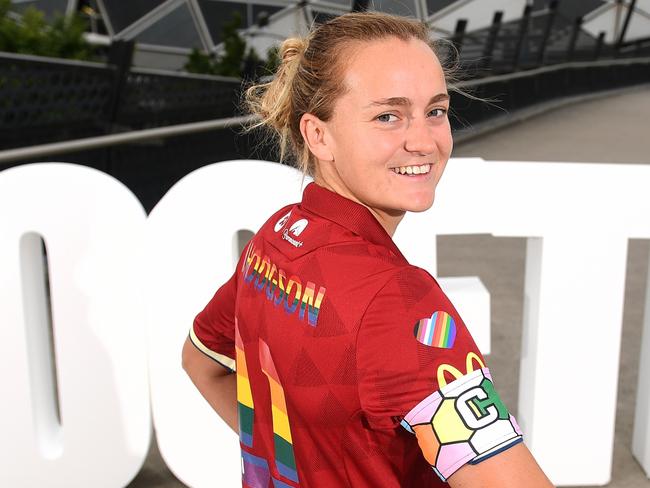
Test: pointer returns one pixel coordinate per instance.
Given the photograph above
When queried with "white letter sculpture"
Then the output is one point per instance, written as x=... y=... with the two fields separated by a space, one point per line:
x=81 y=398
x=77 y=413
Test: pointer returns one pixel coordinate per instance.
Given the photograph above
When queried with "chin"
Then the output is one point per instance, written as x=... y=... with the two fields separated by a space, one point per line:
x=420 y=203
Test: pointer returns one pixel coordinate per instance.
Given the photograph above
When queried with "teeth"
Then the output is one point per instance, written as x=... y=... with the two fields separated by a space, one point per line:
x=413 y=170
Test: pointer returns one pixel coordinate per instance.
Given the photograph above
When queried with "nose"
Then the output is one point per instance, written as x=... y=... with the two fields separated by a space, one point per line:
x=420 y=136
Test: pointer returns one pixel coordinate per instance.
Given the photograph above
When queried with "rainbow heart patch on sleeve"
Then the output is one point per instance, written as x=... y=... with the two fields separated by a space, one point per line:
x=439 y=330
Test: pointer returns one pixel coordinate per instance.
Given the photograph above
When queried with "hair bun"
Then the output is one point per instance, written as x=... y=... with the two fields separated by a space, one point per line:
x=292 y=48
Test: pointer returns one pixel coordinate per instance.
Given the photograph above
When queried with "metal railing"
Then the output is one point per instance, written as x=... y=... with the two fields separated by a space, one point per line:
x=47 y=100
x=50 y=100
x=53 y=149
x=512 y=91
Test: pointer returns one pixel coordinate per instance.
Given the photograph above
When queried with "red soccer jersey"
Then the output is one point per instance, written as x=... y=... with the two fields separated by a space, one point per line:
x=343 y=351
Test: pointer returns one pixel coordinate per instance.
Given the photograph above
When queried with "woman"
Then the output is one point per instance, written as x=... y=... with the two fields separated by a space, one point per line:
x=353 y=369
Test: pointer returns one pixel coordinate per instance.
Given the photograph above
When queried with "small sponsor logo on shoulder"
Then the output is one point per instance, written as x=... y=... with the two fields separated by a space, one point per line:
x=298 y=226
x=291 y=240
x=296 y=229
x=281 y=223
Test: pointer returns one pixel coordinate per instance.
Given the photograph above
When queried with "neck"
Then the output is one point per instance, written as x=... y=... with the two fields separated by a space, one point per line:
x=388 y=219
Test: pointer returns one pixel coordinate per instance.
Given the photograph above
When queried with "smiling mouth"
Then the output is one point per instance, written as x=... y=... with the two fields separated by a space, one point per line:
x=412 y=170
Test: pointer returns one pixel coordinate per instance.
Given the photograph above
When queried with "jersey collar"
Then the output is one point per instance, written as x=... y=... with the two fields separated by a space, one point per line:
x=351 y=215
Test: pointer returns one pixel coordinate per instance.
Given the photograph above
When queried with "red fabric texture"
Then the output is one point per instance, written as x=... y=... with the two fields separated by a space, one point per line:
x=350 y=369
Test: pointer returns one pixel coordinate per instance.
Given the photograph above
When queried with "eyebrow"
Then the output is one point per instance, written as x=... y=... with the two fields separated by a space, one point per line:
x=403 y=101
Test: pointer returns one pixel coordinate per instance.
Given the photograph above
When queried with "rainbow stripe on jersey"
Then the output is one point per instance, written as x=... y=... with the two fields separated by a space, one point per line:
x=265 y=276
x=285 y=460
x=245 y=405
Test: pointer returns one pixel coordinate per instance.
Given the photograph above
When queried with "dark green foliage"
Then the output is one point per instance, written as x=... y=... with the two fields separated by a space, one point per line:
x=272 y=60
x=252 y=64
x=33 y=35
x=231 y=63
x=200 y=62
x=236 y=60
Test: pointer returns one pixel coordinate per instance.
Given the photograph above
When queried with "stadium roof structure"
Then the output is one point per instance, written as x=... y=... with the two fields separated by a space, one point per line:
x=610 y=17
x=166 y=30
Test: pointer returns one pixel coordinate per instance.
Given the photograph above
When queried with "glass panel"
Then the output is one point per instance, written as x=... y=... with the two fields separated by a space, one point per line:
x=321 y=17
x=50 y=7
x=122 y=13
x=218 y=13
x=175 y=29
x=434 y=6
x=260 y=9
x=343 y=3
x=572 y=10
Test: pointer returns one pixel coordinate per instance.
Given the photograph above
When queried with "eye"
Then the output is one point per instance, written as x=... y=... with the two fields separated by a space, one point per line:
x=438 y=112
x=382 y=117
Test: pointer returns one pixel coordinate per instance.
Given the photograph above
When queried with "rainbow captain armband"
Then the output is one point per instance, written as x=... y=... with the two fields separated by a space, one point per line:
x=463 y=422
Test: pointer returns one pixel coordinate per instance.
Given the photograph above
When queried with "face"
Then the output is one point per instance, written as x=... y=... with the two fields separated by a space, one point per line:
x=389 y=136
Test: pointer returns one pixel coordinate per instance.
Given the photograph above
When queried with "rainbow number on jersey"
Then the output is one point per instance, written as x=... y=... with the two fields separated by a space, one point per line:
x=245 y=405
x=256 y=473
x=284 y=457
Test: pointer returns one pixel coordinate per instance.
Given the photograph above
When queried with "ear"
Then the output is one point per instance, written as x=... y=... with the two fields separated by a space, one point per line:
x=313 y=131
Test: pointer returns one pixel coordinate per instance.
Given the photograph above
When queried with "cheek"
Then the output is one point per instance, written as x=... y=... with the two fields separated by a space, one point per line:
x=445 y=142
x=366 y=152
x=351 y=140
x=385 y=148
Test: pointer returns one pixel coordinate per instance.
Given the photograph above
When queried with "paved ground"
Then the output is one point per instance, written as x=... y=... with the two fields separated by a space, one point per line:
x=608 y=130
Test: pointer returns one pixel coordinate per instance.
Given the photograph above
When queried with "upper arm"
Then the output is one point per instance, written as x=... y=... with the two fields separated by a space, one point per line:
x=195 y=362
x=213 y=330
x=411 y=342
x=419 y=364
x=513 y=468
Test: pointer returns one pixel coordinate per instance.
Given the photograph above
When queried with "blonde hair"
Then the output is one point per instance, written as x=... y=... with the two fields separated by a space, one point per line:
x=310 y=77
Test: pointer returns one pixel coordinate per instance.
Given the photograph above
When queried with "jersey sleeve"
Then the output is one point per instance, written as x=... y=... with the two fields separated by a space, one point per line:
x=213 y=330
x=419 y=367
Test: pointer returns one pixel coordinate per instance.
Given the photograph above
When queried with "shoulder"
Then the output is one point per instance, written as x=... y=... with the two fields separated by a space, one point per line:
x=411 y=305
x=279 y=218
x=406 y=287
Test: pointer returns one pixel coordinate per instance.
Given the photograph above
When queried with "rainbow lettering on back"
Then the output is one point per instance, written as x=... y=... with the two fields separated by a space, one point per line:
x=437 y=331
x=245 y=404
x=265 y=277
x=285 y=460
